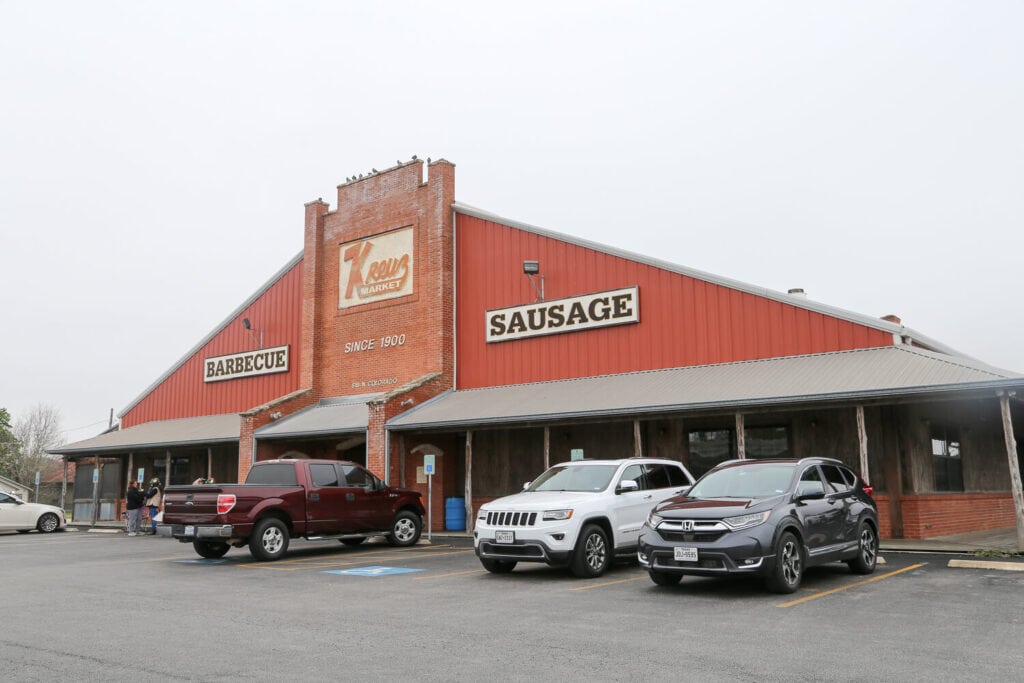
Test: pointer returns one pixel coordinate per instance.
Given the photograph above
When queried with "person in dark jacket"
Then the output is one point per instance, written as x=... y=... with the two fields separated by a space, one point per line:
x=133 y=504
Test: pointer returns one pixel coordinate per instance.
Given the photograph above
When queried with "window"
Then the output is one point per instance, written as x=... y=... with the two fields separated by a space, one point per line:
x=834 y=476
x=357 y=476
x=663 y=476
x=710 y=447
x=810 y=482
x=634 y=473
x=323 y=475
x=4 y=498
x=273 y=475
x=949 y=472
x=766 y=442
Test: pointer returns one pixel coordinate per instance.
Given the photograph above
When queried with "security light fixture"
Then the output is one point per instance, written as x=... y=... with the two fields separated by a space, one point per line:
x=248 y=326
x=531 y=268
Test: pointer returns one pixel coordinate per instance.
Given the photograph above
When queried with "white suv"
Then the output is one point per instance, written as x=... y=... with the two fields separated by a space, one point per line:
x=578 y=513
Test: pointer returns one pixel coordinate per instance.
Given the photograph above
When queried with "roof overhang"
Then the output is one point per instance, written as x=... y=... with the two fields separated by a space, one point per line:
x=329 y=417
x=862 y=375
x=188 y=431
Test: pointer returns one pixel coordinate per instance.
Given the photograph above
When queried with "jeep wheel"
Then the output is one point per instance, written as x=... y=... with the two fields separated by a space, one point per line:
x=665 y=578
x=867 y=551
x=269 y=540
x=591 y=557
x=498 y=566
x=788 y=566
x=211 y=550
x=405 y=530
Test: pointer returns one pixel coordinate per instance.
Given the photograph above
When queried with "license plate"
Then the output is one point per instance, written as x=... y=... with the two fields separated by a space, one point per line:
x=504 y=537
x=685 y=554
x=190 y=531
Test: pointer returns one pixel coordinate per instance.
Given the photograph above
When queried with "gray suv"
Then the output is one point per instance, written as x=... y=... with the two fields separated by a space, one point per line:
x=767 y=518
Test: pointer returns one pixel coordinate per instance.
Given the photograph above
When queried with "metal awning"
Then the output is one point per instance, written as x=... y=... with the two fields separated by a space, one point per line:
x=188 y=431
x=862 y=374
x=341 y=415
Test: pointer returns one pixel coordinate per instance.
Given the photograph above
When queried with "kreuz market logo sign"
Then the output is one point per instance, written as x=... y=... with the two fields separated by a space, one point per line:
x=614 y=307
x=247 y=364
x=376 y=268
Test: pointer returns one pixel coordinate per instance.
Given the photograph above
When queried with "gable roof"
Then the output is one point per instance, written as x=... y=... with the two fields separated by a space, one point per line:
x=160 y=434
x=900 y=332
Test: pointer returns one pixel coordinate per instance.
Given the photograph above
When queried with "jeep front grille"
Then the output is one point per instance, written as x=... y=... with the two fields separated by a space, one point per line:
x=511 y=518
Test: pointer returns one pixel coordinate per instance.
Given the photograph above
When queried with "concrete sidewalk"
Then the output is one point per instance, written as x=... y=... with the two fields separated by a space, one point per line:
x=994 y=541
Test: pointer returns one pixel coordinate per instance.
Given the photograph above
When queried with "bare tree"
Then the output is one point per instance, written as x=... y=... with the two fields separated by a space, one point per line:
x=33 y=434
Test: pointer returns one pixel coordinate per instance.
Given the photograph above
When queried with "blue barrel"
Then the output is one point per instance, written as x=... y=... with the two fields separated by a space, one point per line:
x=455 y=514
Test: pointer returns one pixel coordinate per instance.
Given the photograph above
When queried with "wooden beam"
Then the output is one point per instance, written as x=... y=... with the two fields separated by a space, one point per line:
x=1011 y=454
x=741 y=438
x=547 y=447
x=862 y=441
x=638 y=446
x=469 y=481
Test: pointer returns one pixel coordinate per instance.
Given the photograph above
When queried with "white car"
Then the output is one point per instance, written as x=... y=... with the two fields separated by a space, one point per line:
x=579 y=513
x=17 y=515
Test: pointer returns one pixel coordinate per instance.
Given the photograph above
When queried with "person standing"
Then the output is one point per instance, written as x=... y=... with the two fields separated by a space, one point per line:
x=154 y=499
x=133 y=504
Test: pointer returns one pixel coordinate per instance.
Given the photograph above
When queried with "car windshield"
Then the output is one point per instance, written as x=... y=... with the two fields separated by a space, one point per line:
x=749 y=481
x=578 y=478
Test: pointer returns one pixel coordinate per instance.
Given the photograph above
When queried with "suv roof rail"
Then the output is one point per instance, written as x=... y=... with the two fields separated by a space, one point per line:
x=819 y=458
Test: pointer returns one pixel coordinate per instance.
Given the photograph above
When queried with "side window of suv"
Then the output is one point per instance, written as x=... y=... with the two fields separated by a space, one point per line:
x=662 y=476
x=834 y=476
x=810 y=482
x=634 y=473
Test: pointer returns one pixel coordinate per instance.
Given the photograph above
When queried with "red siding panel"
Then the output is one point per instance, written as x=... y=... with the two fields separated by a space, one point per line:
x=184 y=393
x=683 y=320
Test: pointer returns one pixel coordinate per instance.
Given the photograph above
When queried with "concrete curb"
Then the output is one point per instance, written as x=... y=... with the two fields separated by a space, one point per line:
x=987 y=564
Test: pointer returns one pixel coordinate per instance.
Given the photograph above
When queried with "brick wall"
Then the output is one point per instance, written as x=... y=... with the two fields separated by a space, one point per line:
x=931 y=515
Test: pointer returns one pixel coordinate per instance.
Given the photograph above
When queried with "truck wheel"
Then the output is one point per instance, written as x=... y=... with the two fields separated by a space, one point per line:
x=591 y=557
x=211 y=550
x=405 y=530
x=498 y=566
x=269 y=539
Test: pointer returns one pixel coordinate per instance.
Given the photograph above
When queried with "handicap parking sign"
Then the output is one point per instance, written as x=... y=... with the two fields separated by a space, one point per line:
x=372 y=571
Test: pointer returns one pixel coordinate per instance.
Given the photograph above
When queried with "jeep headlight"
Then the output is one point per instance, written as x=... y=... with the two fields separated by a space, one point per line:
x=654 y=519
x=746 y=521
x=556 y=515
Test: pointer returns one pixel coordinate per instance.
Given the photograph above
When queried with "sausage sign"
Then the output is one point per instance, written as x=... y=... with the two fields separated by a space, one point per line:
x=614 y=307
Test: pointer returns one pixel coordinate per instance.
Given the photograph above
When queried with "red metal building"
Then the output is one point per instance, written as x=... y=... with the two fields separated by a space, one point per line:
x=415 y=325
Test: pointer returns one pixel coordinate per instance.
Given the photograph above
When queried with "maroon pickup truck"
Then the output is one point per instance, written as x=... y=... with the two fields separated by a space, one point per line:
x=312 y=499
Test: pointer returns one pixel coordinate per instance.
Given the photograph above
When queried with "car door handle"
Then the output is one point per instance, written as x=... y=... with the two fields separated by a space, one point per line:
x=314 y=497
x=647 y=497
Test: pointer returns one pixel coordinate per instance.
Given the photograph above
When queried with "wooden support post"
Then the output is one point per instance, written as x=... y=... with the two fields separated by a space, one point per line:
x=638 y=447
x=209 y=462
x=64 y=484
x=1011 y=454
x=469 y=481
x=401 y=459
x=131 y=465
x=547 y=447
x=862 y=440
x=741 y=438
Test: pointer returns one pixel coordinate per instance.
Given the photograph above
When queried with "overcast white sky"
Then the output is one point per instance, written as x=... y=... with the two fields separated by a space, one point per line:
x=155 y=157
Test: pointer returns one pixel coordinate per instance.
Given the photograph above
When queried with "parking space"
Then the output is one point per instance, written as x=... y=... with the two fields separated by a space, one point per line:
x=431 y=612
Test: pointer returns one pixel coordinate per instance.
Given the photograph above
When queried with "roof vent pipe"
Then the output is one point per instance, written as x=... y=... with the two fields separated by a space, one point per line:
x=892 y=319
x=797 y=291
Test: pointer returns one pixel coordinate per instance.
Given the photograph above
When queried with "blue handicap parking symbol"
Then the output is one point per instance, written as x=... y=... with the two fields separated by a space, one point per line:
x=372 y=571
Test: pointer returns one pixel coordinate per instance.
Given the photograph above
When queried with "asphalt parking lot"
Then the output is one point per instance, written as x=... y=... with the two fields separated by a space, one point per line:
x=92 y=606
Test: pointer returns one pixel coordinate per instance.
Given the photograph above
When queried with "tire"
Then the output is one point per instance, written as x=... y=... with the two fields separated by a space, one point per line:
x=592 y=556
x=48 y=523
x=788 y=565
x=498 y=566
x=665 y=578
x=211 y=550
x=269 y=540
x=353 y=541
x=867 y=550
x=405 y=529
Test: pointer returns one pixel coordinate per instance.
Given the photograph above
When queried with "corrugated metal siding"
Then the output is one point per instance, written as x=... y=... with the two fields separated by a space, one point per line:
x=684 y=321
x=184 y=394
